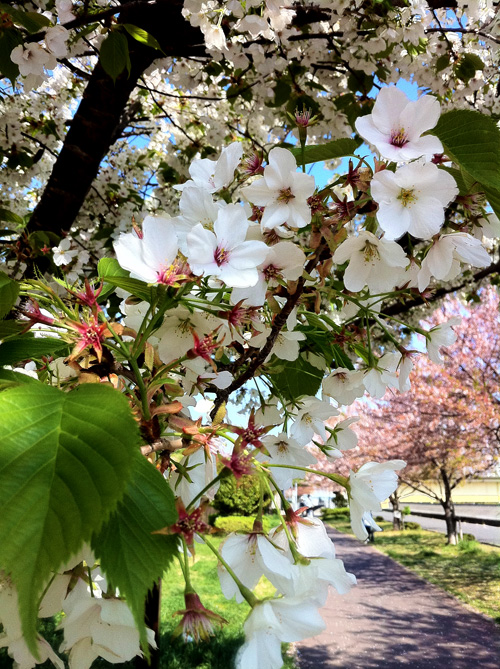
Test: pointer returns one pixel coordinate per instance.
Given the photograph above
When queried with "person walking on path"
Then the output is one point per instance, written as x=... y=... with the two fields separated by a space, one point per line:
x=395 y=619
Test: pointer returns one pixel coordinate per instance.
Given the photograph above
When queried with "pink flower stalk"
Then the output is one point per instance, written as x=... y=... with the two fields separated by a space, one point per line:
x=252 y=434
x=239 y=463
x=253 y=165
x=89 y=296
x=188 y=524
x=197 y=622
x=92 y=335
x=35 y=315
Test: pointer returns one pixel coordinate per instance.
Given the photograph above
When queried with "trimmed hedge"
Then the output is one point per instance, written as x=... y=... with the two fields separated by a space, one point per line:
x=410 y=525
x=328 y=514
x=239 y=524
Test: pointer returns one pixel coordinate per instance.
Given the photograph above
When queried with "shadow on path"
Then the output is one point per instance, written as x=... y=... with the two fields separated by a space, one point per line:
x=395 y=619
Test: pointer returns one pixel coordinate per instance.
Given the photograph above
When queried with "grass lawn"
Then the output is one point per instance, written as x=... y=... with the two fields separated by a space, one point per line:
x=469 y=571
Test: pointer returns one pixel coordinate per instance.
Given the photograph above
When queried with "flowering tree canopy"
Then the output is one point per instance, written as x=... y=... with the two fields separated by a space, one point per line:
x=168 y=254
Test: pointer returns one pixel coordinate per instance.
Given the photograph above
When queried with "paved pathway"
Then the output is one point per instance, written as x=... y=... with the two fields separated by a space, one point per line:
x=394 y=619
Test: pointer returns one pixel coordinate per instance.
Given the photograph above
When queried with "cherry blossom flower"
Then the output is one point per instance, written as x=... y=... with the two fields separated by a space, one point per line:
x=282 y=191
x=377 y=379
x=12 y=636
x=150 y=258
x=64 y=10
x=212 y=175
x=274 y=621
x=92 y=335
x=396 y=124
x=343 y=438
x=370 y=485
x=441 y=335
x=63 y=254
x=344 y=385
x=286 y=345
x=31 y=59
x=311 y=581
x=251 y=435
x=284 y=261
x=310 y=419
x=412 y=199
x=197 y=206
x=175 y=335
x=444 y=257
x=201 y=470
x=283 y=450
x=373 y=262
x=197 y=622
x=98 y=627
x=250 y=556
x=55 y=41
x=310 y=536
x=224 y=253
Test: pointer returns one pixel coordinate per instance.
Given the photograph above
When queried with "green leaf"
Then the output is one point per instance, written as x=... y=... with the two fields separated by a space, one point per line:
x=493 y=197
x=10 y=217
x=468 y=65
x=114 y=54
x=9 y=291
x=472 y=140
x=131 y=556
x=32 y=21
x=27 y=348
x=65 y=460
x=338 y=148
x=142 y=36
x=9 y=39
x=298 y=378
x=133 y=286
x=9 y=378
x=10 y=328
x=110 y=267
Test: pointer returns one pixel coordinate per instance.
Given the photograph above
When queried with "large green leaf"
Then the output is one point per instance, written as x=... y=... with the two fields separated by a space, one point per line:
x=10 y=378
x=114 y=54
x=142 y=36
x=493 y=197
x=298 y=378
x=132 y=557
x=112 y=274
x=9 y=290
x=472 y=140
x=339 y=148
x=27 y=348
x=65 y=460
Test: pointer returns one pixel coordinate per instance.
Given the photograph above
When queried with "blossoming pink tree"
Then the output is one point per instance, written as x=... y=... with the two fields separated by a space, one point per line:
x=124 y=302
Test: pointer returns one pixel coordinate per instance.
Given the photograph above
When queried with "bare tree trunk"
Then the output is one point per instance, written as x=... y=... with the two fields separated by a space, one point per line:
x=152 y=620
x=449 y=509
x=94 y=127
x=397 y=516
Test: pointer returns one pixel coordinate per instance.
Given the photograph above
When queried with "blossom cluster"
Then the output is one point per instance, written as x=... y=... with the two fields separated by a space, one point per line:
x=265 y=285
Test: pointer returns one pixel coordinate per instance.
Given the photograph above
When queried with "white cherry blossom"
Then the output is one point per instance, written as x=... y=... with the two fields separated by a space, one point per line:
x=444 y=257
x=212 y=175
x=224 y=253
x=412 y=199
x=55 y=40
x=63 y=254
x=250 y=556
x=201 y=469
x=284 y=450
x=151 y=257
x=396 y=124
x=282 y=191
x=283 y=261
x=373 y=262
x=441 y=335
x=344 y=385
x=31 y=59
x=378 y=379
x=310 y=419
x=343 y=438
x=369 y=486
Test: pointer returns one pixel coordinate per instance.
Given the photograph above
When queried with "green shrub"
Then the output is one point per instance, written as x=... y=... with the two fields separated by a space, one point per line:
x=238 y=497
x=379 y=519
x=240 y=524
x=328 y=514
x=406 y=511
x=410 y=525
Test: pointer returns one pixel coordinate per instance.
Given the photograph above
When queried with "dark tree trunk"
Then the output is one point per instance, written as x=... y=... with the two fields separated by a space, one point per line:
x=397 y=516
x=449 y=509
x=93 y=128
x=152 y=619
